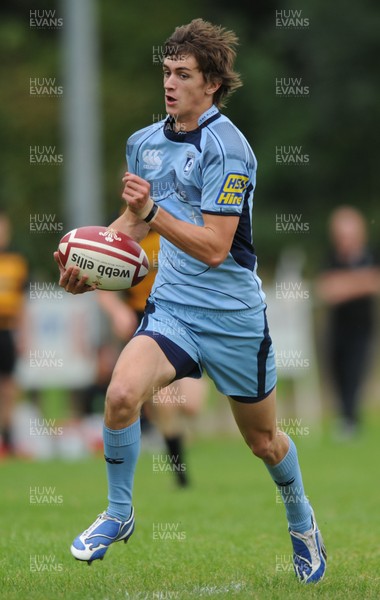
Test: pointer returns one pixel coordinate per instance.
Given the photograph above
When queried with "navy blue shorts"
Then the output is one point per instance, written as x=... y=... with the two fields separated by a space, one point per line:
x=233 y=346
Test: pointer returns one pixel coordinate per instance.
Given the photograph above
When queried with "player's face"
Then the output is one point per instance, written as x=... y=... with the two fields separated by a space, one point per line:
x=187 y=94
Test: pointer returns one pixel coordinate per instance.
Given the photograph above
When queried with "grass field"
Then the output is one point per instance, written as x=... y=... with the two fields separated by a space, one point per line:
x=224 y=537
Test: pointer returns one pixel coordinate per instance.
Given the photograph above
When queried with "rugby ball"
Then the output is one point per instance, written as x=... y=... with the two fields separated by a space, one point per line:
x=111 y=259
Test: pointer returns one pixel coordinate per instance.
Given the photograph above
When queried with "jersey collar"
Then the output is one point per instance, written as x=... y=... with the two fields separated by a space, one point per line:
x=193 y=136
x=205 y=118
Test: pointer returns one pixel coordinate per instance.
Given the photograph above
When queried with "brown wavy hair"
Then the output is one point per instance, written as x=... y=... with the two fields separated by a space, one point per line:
x=214 y=49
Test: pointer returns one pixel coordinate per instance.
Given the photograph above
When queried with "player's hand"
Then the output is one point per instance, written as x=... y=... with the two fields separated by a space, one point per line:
x=68 y=279
x=136 y=194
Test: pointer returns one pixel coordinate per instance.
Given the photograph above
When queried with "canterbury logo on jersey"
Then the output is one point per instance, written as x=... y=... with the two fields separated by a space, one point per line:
x=232 y=190
x=152 y=158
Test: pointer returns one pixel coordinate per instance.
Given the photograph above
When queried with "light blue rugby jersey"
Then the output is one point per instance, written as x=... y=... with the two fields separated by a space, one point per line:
x=209 y=170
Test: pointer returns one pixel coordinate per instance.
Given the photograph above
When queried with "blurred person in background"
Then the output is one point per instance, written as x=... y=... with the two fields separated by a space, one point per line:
x=13 y=278
x=349 y=284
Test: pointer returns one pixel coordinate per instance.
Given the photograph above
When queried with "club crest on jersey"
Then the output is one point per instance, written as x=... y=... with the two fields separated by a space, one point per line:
x=232 y=190
x=152 y=158
x=190 y=159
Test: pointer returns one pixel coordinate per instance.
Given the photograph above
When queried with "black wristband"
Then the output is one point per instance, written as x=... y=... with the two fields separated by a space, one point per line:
x=152 y=213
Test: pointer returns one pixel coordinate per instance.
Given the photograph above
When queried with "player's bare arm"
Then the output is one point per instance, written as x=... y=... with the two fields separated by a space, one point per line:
x=209 y=243
x=130 y=224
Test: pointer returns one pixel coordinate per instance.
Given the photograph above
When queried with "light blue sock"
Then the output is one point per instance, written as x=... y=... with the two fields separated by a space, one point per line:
x=287 y=476
x=121 y=451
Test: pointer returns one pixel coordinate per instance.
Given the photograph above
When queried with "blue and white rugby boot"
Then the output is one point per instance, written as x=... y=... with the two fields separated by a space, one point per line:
x=309 y=554
x=93 y=543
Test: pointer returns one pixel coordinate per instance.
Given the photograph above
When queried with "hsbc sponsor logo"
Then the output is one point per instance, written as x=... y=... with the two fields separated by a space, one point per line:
x=152 y=158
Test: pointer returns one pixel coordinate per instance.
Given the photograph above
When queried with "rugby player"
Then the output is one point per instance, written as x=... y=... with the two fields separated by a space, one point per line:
x=191 y=178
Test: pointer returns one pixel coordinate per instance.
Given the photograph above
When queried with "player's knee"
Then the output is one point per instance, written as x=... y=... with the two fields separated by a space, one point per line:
x=122 y=398
x=261 y=446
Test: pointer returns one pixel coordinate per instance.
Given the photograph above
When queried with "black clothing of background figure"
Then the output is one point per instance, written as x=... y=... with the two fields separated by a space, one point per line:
x=349 y=284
